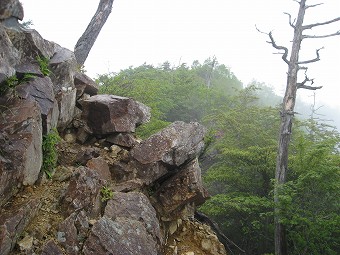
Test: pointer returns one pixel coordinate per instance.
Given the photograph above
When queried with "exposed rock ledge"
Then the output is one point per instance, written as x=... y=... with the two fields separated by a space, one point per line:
x=156 y=183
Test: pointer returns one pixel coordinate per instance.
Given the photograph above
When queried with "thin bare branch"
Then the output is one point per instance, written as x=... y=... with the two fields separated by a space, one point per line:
x=321 y=36
x=290 y=20
x=309 y=87
x=320 y=24
x=302 y=85
x=272 y=42
x=312 y=60
x=314 y=5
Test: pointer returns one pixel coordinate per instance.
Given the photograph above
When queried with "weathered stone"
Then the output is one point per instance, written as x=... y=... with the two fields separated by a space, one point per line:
x=74 y=231
x=26 y=243
x=9 y=56
x=28 y=68
x=122 y=236
x=83 y=193
x=51 y=248
x=122 y=139
x=41 y=90
x=11 y=8
x=63 y=65
x=127 y=186
x=13 y=222
x=66 y=103
x=184 y=188
x=102 y=168
x=173 y=145
x=122 y=172
x=84 y=155
x=31 y=44
x=20 y=146
x=85 y=84
x=107 y=114
x=134 y=206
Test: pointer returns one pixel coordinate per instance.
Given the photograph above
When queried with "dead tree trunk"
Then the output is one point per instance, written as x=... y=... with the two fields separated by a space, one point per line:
x=87 y=40
x=287 y=111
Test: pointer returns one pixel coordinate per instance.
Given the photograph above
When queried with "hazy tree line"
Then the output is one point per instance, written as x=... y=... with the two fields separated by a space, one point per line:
x=239 y=160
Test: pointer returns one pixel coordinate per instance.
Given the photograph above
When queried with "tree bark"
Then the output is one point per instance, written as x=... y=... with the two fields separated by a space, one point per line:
x=287 y=114
x=87 y=40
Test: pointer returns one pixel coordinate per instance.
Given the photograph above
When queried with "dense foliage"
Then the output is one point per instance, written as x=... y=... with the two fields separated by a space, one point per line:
x=239 y=161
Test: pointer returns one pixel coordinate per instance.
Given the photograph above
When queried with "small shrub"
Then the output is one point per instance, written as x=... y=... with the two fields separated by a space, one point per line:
x=9 y=84
x=43 y=63
x=106 y=193
x=50 y=154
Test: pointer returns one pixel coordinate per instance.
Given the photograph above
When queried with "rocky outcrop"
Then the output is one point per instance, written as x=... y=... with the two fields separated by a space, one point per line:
x=111 y=193
x=107 y=114
x=20 y=147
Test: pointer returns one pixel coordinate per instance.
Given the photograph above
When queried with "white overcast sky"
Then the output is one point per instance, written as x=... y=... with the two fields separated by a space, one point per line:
x=181 y=31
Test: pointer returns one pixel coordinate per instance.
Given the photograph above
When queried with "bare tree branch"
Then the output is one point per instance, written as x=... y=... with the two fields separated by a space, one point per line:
x=321 y=36
x=309 y=87
x=312 y=60
x=302 y=85
x=290 y=20
x=320 y=24
x=278 y=47
x=314 y=5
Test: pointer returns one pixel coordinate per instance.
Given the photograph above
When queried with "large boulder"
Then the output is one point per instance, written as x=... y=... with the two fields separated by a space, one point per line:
x=174 y=145
x=13 y=222
x=107 y=114
x=73 y=231
x=135 y=206
x=84 y=84
x=63 y=66
x=185 y=188
x=121 y=236
x=9 y=56
x=83 y=192
x=41 y=90
x=31 y=45
x=20 y=146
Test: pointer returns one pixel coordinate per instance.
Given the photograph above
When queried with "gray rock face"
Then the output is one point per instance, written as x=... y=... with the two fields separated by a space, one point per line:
x=41 y=90
x=107 y=114
x=31 y=45
x=51 y=248
x=122 y=139
x=134 y=206
x=120 y=237
x=13 y=222
x=83 y=193
x=184 y=188
x=173 y=145
x=73 y=231
x=63 y=65
x=9 y=56
x=11 y=8
x=85 y=84
x=21 y=141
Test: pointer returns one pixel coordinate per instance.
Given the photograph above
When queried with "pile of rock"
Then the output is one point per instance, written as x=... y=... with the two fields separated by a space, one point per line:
x=154 y=182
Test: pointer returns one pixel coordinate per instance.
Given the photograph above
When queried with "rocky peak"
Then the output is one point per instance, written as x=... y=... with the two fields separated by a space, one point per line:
x=110 y=193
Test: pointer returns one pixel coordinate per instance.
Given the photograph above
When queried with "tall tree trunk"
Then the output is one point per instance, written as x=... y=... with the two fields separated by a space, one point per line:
x=87 y=40
x=287 y=115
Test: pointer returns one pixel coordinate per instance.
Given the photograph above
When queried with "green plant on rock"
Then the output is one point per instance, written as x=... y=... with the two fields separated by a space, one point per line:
x=106 y=193
x=43 y=63
x=9 y=84
x=50 y=153
x=27 y=77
